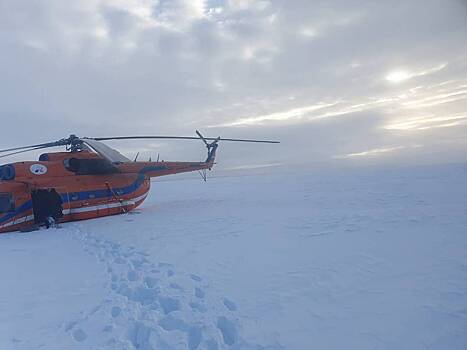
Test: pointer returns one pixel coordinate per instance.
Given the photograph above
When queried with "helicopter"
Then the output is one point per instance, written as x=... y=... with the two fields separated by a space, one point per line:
x=88 y=180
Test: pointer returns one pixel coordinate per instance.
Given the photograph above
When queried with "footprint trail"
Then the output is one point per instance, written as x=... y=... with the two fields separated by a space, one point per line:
x=152 y=306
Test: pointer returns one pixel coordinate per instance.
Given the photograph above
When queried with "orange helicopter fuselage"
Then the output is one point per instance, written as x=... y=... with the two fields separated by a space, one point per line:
x=87 y=188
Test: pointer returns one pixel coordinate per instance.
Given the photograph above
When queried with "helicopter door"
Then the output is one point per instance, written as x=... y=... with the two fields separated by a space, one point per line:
x=48 y=203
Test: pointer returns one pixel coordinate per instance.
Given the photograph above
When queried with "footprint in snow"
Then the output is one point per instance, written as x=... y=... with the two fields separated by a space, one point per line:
x=153 y=307
x=79 y=335
x=115 y=311
x=195 y=278
x=229 y=304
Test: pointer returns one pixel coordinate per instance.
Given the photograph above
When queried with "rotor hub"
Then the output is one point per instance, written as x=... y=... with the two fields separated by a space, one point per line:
x=75 y=143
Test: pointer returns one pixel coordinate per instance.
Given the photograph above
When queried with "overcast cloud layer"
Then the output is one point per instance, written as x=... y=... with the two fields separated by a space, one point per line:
x=335 y=81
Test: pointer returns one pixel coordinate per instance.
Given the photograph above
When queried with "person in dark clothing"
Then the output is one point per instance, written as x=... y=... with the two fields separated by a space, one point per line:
x=38 y=199
x=55 y=208
x=48 y=209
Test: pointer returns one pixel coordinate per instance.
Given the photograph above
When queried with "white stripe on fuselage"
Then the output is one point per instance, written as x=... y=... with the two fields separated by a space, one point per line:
x=85 y=209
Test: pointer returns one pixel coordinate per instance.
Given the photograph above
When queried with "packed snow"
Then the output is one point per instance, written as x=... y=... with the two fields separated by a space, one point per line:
x=348 y=259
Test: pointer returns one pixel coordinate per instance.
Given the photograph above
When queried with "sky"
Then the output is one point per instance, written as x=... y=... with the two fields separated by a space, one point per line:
x=337 y=82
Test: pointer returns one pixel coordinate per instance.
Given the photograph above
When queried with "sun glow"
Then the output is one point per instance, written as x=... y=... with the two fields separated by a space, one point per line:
x=401 y=75
x=398 y=76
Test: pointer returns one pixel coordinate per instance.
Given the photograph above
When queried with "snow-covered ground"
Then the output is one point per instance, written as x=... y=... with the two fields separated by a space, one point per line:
x=367 y=259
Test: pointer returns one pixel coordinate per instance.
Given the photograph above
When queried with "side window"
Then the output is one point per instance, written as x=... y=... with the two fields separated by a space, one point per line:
x=7 y=172
x=71 y=164
x=6 y=203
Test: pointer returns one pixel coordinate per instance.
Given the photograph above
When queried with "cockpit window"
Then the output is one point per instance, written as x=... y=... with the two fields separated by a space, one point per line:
x=6 y=203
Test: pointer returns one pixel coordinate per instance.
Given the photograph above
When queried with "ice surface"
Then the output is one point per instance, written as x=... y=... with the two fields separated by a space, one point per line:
x=367 y=259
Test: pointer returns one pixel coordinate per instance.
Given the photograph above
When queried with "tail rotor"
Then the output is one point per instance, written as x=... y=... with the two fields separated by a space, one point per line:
x=211 y=146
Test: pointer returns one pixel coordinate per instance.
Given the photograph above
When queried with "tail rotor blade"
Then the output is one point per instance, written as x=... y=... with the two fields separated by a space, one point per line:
x=202 y=138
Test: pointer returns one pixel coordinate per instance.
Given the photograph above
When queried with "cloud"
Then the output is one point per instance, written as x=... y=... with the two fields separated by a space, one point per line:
x=290 y=115
x=376 y=152
x=266 y=69
x=428 y=122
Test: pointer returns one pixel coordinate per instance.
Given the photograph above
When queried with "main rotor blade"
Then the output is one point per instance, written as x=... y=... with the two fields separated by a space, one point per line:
x=23 y=151
x=42 y=145
x=175 y=138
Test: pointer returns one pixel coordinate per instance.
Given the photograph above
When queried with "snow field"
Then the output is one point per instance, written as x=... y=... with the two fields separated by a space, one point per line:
x=354 y=259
